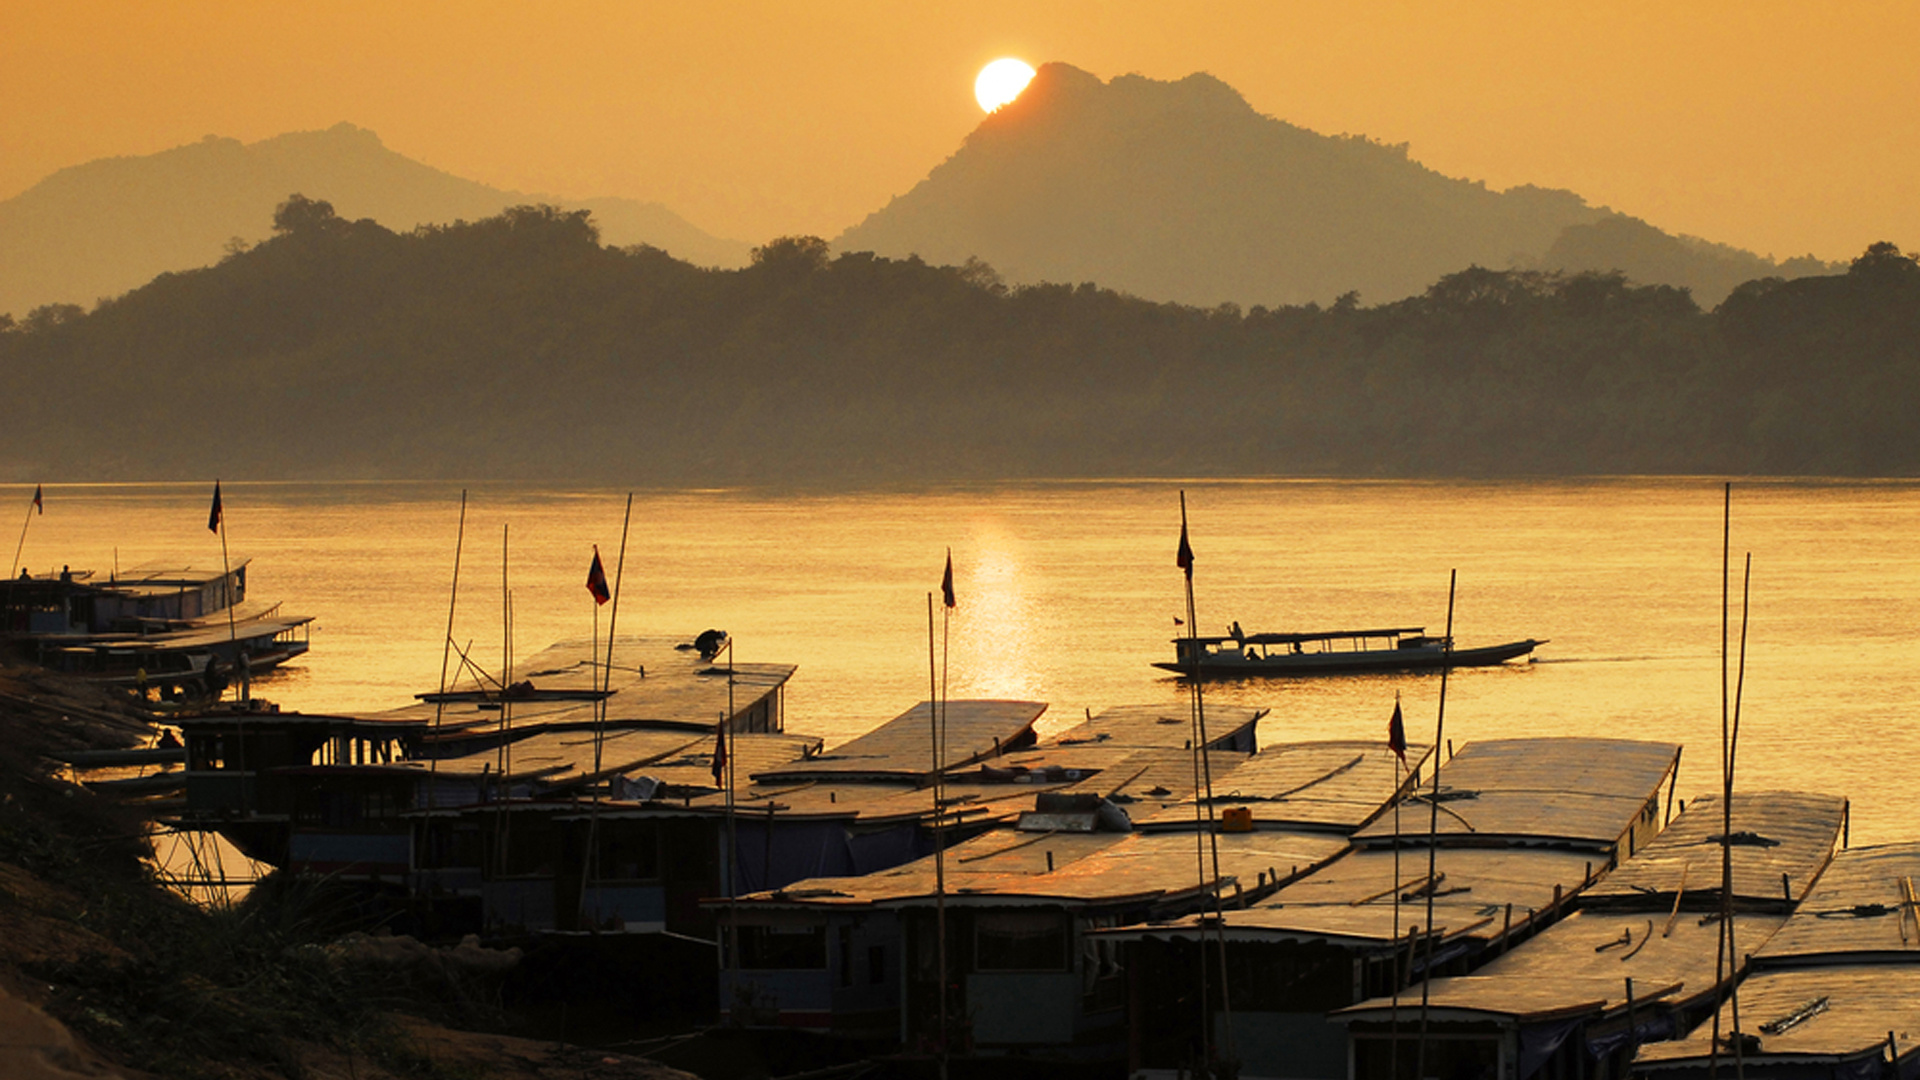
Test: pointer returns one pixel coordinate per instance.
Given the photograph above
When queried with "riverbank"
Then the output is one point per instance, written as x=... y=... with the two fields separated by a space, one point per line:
x=103 y=972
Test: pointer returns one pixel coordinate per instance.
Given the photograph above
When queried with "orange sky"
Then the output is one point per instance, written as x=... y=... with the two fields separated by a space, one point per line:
x=1784 y=127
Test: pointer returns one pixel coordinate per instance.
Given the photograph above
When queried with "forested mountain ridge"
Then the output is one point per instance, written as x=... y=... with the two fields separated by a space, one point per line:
x=1181 y=191
x=98 y=229
x=520 y=347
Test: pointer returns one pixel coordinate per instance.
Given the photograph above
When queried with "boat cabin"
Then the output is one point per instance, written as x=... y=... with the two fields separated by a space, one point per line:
x=1833 y=993
x=1636 y=964
x=1521 y=826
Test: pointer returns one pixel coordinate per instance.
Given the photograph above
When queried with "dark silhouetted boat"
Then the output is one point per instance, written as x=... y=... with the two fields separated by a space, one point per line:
x=1330 y=652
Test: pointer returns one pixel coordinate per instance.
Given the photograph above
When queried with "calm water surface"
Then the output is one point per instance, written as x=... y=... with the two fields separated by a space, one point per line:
x=1068 y=591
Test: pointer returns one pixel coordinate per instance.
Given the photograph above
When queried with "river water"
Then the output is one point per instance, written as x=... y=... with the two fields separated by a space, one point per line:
x=1068 y=590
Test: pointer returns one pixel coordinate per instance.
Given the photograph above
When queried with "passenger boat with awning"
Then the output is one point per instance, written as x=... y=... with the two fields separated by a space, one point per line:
x=1331 y=652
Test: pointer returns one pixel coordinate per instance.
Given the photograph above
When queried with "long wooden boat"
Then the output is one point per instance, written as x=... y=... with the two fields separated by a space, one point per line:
x=1331 y=652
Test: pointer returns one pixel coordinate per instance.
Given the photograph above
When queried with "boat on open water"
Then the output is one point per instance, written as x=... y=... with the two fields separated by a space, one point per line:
x=1238 y=654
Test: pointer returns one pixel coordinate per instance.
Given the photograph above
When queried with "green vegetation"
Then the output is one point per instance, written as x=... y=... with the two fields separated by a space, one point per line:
x=518 y=346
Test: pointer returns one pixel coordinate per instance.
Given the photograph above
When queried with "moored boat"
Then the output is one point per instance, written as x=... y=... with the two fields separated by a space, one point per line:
x=1331 y=652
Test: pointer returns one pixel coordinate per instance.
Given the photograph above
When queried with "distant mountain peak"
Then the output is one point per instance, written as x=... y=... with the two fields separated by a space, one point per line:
x=103 y=227
x=1181 y=190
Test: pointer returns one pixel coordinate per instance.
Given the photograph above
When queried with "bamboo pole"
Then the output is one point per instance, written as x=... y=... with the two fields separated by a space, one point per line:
x=1433 y=827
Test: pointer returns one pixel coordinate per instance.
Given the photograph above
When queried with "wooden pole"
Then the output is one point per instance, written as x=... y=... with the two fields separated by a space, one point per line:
x=605 y=685
x=1393 y=1036
x=1433 y=829
x=446 y=648
x=939 y=852
x=22 y=545
x=226 y=584
x=1726 y=888
x=1204 y=837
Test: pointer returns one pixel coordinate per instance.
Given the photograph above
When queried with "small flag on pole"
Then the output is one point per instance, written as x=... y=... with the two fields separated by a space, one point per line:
x=1184 y=558
x=1397 y=733
x=213 y=516
x=946 y=580
x=39 y=506
x=597 y=579
x=719 y=752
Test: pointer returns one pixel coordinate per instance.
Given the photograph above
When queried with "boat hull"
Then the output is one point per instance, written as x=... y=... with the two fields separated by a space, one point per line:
x=1349 y=663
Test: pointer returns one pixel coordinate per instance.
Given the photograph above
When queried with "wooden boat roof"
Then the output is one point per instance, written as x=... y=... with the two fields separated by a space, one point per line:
x=1143 y=726
x=1088 y=869
x=902 y=748
x=1571 y=791
x=878 y=803
x=547 y=754
x=1149 y=782
x=368 y=727
x=1854 y=912
x=692 y=766
x=1467 y=998
x=1289 y=638
x=1335 y=784
x=1578 y=967
x=1349 y=902
x=651 y=680
x=1862 y=1004
x=1791 y=838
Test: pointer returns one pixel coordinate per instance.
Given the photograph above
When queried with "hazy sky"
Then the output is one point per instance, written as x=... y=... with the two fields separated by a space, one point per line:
x=1784 y=127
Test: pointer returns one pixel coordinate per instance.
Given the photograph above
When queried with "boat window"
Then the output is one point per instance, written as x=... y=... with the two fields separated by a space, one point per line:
x=629 y=851
x=531 y=843
x=783 y=948
x=1020 y=941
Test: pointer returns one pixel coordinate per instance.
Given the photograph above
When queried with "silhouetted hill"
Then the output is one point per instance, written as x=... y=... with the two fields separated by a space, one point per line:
x=99 y=229
x=1645 y=253
x=520 y=347
x=1181 y=191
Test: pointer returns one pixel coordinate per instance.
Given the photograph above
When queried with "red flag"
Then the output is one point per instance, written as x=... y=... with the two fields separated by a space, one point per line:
x=38 y=506
x=946 y=580
x=1397 y=734
x=720 y=752
x=597 y=579
x=1184 y=558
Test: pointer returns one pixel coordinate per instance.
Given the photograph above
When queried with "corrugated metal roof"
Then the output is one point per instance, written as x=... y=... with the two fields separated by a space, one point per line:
x=1557 y=790
x=1786 y=833
x=651 y=679
x=1862 y=1005
x=1579 y=966
x=1855 y=912
x=1339 y=785
x=1350 y=901
x=1166 y=726
x=1074 y=868
x=1150 y=782
x=622 y=750
x=902 y=748
x=751 y=752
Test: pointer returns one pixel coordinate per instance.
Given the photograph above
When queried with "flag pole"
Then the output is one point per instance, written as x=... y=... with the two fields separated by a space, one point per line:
x=733 y=830
x=592 y=860
x=226 y=571
x=36 y=504
x=1433 y=829
x=1183 y=558
x=939 y=853
x=446 y=647
x=1393 y=1037
x=1720 y=957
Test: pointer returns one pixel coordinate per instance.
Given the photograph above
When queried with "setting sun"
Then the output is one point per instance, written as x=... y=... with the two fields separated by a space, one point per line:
x=1001 y=82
